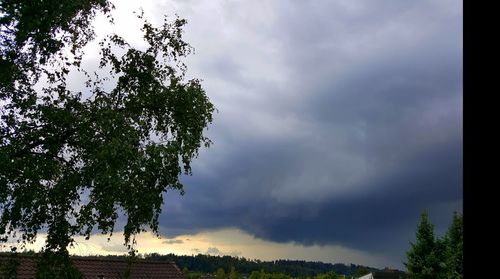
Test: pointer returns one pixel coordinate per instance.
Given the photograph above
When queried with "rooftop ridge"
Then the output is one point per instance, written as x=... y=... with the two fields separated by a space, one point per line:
x=93 y=258
x=99 y=266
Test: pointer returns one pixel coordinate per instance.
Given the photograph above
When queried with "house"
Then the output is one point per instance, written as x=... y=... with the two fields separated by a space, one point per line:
x=384 y=275
x=103 y=268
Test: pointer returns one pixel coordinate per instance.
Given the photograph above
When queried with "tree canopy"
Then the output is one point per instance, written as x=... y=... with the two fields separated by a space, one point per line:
x=433 y=257
x=72 y=161
x=220 y=273
x=245 y=267
x=424 y=257
x=362 y=271
x=454 y=243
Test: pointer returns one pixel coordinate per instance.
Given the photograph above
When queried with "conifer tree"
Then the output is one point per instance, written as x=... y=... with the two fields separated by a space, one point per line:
x=425 y=257
x=454 y=240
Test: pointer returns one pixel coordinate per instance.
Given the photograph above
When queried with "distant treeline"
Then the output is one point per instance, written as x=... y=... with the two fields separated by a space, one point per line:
x=206 y=264
x=295 y=268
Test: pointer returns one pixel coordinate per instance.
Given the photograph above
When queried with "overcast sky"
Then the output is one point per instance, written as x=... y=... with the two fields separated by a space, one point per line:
x=338 y=123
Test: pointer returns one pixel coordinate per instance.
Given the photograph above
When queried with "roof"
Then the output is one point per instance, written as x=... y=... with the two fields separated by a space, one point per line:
x=367 y=276
x=384 y=275
x=100 y=267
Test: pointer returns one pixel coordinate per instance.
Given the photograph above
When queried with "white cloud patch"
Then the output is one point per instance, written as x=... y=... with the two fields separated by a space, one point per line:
x=173 y=241
x=213 y=251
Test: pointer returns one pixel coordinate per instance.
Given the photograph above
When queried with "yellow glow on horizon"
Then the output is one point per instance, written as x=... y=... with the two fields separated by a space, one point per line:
x=229 y=241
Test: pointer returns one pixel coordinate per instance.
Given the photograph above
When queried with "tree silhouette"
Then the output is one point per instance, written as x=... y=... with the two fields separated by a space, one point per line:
x=454 y=241
x=426 y=257
x=71 y=161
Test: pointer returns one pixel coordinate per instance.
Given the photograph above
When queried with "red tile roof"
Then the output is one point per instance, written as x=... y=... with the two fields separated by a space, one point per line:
x=99 y=267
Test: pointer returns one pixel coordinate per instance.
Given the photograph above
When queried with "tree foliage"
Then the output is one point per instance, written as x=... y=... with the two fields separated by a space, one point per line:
x=232 y=273
x=424 y=259
x=432 y=257
x=245 y=267
x=362 y=271
x=261 y=274
x=220 y=273
x=71 y=161
x=328 y=275
x=454 y=243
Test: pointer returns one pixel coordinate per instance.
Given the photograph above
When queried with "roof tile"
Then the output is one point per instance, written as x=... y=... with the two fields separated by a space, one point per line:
x=98 y=267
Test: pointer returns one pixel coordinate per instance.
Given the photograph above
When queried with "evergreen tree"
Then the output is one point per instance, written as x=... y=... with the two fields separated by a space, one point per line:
x=425 y=257
x=454 y=240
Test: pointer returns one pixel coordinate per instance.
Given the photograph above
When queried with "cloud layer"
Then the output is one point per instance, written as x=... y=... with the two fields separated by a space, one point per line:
x=339 y=121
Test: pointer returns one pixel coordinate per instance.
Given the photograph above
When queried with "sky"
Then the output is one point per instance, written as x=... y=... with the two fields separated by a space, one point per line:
x=338 y=124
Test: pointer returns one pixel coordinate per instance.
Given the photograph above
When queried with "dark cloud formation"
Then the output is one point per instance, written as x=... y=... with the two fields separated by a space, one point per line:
x=339 y=121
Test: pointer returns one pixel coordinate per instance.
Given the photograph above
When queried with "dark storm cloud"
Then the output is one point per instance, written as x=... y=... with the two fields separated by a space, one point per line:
x=338 y=123
x=381 y=219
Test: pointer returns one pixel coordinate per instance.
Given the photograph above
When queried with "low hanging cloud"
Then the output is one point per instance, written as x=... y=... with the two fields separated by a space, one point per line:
x=173 y=241
x=213 y=251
